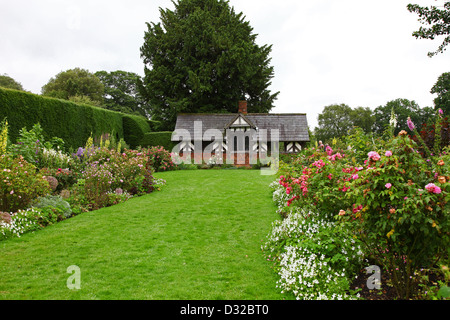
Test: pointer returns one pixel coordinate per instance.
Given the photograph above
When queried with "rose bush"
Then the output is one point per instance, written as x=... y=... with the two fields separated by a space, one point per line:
x=394 y=200
x=403 y=216
x=160 y=159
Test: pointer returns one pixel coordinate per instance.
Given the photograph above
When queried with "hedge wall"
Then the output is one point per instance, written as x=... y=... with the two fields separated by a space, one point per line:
x=163 y=139
x=69 y=121
x=134 y=129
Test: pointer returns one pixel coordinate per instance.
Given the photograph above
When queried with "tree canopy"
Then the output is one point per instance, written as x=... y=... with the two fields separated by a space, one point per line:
x=337 y=119
x=402 y=108
x=8 y=82
x=334 y=122
x=438 y=21
x=203 y=57
x=76 y=84
x=442 y=89
x=121 y=92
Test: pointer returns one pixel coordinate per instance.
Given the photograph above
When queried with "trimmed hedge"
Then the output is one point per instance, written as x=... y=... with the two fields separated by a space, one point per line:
x=72 y=122
x=134 y=129
x=154 y=139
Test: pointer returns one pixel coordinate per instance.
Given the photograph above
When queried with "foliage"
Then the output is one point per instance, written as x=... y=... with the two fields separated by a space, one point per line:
x=56 y=204
x=432 y=139
x=19 y=183
x=402 y=211
x=437 y=19
x=79 y=99
x=203 y=57
x=73 y=123
x=74 y=82
x=442 y=89
x=153 y=139
x=98 y=181
x=388 y=194
x=360 y=144
x=160 y=159
x=8 y=82
x=29 y=144
x=315 y=258
x=336 y=119
x=51 y=158
x=320 y=180
x=134 y=128
x=3 y=137
x=22 y=221
x=108 y=170
x=402 y=109
x=121 y=92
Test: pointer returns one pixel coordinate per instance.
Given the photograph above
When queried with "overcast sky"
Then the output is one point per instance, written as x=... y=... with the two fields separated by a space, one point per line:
x=356 y=52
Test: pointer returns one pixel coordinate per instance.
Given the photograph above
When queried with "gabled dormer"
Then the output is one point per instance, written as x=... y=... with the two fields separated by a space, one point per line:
x=240 y=123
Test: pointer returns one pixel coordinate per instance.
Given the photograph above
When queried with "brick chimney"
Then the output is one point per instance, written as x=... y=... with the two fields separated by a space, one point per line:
x=243 y=107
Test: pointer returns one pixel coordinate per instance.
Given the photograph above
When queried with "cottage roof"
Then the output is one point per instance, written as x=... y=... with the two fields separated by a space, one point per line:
x=291 y=126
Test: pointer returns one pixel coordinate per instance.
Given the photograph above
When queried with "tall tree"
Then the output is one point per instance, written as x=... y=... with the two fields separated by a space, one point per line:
x=334 y=122
x=438 y=21
x=8 y=82
x=75 y=83
x=402 y=108
x=203 y=57
x=363 y=118
x=442 y=89
x=121 y=92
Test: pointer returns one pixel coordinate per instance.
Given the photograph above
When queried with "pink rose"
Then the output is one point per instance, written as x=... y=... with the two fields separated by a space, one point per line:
x=374 y=155
x=388 y=185
x=431 y=187
x=388 y=153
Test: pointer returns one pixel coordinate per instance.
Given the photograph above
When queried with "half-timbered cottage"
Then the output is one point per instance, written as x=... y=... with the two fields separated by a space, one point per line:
x=260 y=133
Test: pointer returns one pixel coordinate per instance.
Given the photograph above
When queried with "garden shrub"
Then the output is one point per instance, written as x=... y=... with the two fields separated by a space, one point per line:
x=77 y=198
x=127 y=168
x=54 y=159
x=65 y=177
x=435 y=136
x=108 y=170
x=402 y=202
x=57 y=203
x=160 y=159
x=394 y=200
x=19 y=183
x=319 y=180
x=98 y=180
x=29 y=144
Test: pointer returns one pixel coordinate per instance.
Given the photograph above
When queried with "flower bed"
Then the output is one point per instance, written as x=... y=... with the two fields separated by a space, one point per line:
x=394 y=203
x=41 y=184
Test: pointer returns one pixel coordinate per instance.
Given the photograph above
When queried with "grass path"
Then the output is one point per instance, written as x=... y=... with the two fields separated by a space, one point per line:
x=199 y=238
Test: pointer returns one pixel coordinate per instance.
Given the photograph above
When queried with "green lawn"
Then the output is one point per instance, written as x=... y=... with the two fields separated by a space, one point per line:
x=199 y=238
